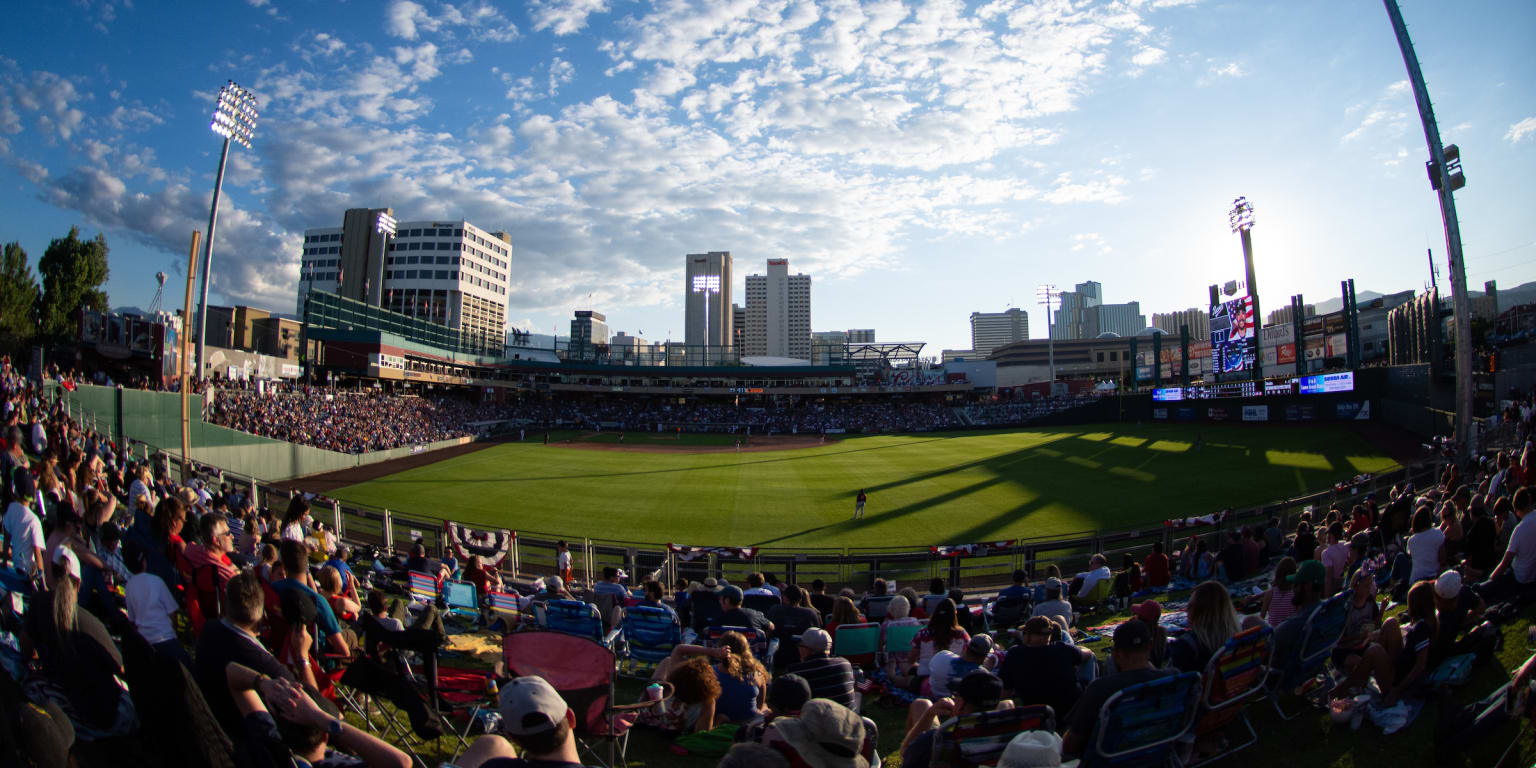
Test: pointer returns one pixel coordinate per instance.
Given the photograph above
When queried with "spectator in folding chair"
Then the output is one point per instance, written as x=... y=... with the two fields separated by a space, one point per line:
x=936 y=592
x=348 y=579
x=758 y=584
x=1084 y=583
x=1306 y=593
x=877 y=593
x=979 y=691
x=1212 y=622
x=612 y=583
x=943 y=632
x=1457 y=609
x=1053 y=606
x=691 y=707
x=538 y=721
x=654 y=599
x=1514 y=578
x=553 y=589
x=301 y=727
x=898 y=661
x=390 y=619
x=1132 y=652
x=824 y=735
x=152 y=609
x=791 y=619
x=328 y=584
x=294 y=555
x=1040 y=670
x=819 y=598
x=733 y=615
x=830 y=677
x=948 y=668
x=486 y=580
x=843 y=612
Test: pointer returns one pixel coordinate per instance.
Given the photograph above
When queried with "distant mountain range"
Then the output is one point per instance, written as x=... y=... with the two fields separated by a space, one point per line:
x=1508 y=297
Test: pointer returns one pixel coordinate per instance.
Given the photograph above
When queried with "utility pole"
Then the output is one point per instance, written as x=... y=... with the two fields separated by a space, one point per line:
x=1445 y=177
x=184 y=367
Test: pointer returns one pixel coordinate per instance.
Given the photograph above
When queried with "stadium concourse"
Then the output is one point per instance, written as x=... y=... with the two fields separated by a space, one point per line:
x=149 y=622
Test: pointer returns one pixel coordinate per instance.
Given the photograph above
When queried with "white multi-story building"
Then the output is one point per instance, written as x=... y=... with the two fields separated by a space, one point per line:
x=707 y=300
x=1084 y=315
x=990 y=330
x=452 y=273
x=1198 y=320
x=779 y=313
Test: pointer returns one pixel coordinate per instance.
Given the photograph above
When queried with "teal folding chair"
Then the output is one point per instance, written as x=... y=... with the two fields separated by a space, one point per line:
x=858 y=643
x=462 y=600
x=898 y=640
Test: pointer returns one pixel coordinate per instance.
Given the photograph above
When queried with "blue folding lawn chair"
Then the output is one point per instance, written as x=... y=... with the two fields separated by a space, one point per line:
x=573 y=617
x=1300 y=673
x=1139 y=726
x=462 y=600
x=650 y=634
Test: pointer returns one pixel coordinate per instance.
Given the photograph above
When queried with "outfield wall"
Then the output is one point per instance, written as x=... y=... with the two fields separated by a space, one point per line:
x=154 y=419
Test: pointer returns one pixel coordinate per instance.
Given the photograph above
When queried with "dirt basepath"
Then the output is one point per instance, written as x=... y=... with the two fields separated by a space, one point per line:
x=326 y=482
x=753 y=445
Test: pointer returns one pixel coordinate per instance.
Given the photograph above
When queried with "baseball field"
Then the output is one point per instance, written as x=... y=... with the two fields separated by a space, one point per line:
x=923 y=488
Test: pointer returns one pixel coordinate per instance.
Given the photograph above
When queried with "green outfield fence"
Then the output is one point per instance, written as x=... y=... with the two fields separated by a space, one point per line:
x=533 y=552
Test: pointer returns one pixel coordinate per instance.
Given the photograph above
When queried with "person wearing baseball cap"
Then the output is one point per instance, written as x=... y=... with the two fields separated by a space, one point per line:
x=1457 y=608
x=830 y=677
x=1133 y=658
x=946 y=668
x=537 y=720
x=733 y=615
x=978 y=691
x=1306 y=592
x=24 y=528
x=1040 y=670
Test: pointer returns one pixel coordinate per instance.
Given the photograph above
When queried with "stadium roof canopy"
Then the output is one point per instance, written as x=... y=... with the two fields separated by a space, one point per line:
x=887 y=351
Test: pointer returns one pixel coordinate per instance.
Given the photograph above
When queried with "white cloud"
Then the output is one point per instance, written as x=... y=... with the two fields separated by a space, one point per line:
x=1092 y=242
x=403 y=17
x=564 y=17
x=1104 y=188
x=1519 y=131
x=1230 y=69
x=1149 y=56
x=1386 y=116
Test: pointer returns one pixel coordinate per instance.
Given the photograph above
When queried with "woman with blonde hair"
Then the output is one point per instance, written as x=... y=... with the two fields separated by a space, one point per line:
x=741 y=681
x=1212 y=622
x=843 y=612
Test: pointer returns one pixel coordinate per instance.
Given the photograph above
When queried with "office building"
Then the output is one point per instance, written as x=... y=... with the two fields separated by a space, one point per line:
x=738 y=327
x=707 y=318
x=1084 y=315
x=990 y=330
x=1282 y=315
x=624 y=348
x=1198 y=320
x=589 y=330
x=452 y=273
x=866 y=335
x=779 y=313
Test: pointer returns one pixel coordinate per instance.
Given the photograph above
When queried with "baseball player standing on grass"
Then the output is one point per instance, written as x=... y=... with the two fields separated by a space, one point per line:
x=858 y=505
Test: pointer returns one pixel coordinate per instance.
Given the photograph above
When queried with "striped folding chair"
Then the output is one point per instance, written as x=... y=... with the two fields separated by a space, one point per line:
x=650 y=634
x=858 y=643
x=1138 y=726
x=1305 y=671
x=506 y=609
x=423 y=587
x=1234 y=678
x=980 y=737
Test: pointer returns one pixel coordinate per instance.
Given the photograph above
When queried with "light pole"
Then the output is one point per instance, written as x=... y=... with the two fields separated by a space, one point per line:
x=707 y=285
x=1049 y=297
x=1445 y=177
x=234 y=118
x=1241 y=220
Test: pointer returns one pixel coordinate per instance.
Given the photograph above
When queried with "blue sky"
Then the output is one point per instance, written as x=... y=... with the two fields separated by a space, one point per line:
x=919 y=160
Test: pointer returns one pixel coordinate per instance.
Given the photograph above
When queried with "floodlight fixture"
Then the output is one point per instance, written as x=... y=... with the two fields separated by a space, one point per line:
x=234 y=116
x=706 y=283
x=386 y=224
x=1241 y=215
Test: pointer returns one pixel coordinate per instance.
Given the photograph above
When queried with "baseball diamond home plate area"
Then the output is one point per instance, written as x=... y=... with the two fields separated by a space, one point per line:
x=923 y=488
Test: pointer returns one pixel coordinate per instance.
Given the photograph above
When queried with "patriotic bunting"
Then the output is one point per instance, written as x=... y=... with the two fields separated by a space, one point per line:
x=1189 y=522
x=491 y=546
x=688 y=554
x=970 y=550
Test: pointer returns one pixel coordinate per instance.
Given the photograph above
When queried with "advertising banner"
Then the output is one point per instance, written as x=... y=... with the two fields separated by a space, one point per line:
x=1300 y=413
x=1285 y=353
x=1338 y=345
x=1160 y=413
x=1255 y=413
x=1354 y=411
x=1217 y=414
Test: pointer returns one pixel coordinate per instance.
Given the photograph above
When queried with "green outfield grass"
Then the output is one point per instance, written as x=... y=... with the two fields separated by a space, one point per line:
x=923 y=489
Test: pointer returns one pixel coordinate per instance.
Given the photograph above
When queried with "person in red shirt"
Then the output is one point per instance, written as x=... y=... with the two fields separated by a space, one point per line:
x=1155 y=569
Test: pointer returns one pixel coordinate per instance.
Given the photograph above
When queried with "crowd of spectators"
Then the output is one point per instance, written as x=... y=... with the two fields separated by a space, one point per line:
x=347 y=421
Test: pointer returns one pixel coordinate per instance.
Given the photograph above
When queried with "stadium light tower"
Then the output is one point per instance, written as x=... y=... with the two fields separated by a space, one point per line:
x=1241 y=220
x=234 y=118
x=1445 y=177
x=706 y=284
x=1049 y=297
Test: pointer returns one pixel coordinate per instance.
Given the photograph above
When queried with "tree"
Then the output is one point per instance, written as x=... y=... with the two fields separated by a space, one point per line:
x=18 y=295
x=73 y=272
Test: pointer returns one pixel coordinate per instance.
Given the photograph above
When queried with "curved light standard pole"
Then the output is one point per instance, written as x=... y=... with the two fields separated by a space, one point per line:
x=234 y=118
x=1445 y=177
x=1241 y=220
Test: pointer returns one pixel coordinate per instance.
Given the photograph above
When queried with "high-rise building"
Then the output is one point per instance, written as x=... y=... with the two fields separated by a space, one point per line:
x=1198 y=320
x=864 y=335
x=1084 y=315
x=707 y=299
x=738 y=327
x=448 y=272
x=588 y=330
x=990 y=330
x=779 y=313
x=1282 y=315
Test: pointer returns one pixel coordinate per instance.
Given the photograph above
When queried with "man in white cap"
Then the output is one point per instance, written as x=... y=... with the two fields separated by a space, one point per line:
x=1457 y=608
x=831 y=677
x=1033 y=749
x=1053 y=606
x=537 y=721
